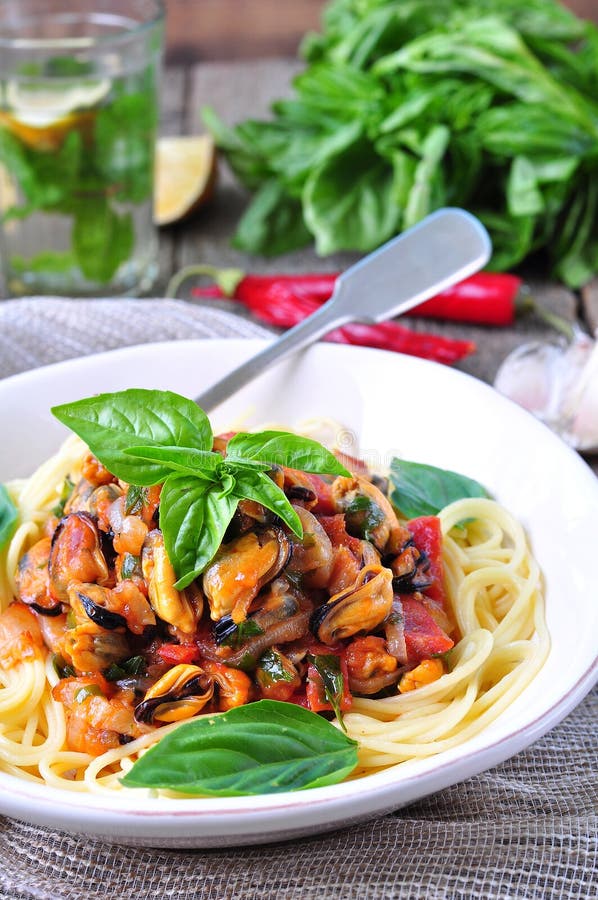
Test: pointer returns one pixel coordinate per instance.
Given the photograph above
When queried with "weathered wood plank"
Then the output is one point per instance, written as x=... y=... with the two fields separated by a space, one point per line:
x=236 y=29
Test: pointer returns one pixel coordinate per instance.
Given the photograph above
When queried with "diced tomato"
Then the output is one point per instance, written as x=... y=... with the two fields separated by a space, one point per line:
x=428 y=539
x=334 y=526
x=299 y=698
x=323 y=491
x=179 y=653
x=423 y=637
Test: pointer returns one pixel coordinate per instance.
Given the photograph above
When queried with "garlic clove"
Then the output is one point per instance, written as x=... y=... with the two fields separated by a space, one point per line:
x=557 y=382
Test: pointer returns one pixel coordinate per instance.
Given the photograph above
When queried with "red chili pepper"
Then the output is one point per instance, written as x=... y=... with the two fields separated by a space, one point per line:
x=487 y=298
x=276 y=304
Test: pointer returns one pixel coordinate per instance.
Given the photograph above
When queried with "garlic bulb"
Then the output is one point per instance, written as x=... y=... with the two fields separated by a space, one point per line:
x=557 y=381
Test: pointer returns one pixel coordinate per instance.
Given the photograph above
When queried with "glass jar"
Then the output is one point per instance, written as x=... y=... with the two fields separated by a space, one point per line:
x=78 y=118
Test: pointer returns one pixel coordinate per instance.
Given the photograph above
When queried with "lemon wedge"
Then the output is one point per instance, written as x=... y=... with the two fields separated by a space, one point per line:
x=41 y=114
x=185 y=176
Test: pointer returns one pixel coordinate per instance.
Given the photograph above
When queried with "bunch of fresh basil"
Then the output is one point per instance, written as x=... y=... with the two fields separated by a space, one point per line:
x=409 y=105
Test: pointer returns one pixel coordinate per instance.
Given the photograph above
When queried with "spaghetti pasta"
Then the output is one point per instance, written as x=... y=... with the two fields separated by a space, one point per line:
x=494 y=588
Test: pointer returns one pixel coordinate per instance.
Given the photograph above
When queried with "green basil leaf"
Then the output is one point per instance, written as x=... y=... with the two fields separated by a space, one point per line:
x=285 y=449
x=199 y=463
x=273 y=223
x=328 y=667
x=271 y=668
x=421 y=490
x=194 y=515
x=266 y=747
x=102 y=239
x=241 y=632
x=348 y=201
x=110 y=423
x=65 y=493
x=8 y=517
x=259 y=487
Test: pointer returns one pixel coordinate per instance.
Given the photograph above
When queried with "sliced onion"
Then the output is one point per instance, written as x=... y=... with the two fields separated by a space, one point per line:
x=394 y=631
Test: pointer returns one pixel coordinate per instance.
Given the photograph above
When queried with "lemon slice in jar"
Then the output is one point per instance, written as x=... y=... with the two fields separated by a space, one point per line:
x=42 y=112
x=185 y=176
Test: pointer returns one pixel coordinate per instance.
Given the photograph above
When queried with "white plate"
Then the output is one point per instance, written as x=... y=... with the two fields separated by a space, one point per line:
x=397 y=406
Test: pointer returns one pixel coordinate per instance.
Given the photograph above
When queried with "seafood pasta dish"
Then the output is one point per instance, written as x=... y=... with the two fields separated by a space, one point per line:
x=161 y=585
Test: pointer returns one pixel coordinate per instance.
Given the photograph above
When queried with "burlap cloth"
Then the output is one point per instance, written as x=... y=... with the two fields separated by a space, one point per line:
x=526 y=829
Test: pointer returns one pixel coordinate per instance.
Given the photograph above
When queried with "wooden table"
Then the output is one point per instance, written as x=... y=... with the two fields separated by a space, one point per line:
x=241 y=89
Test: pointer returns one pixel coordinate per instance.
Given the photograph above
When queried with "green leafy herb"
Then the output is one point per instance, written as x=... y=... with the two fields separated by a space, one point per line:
x=131 y=565
x=261 y=748
x=282 y=448
x=157 y=437
x=134 y=499
x=421 y=490
x=127 y=669
x=328 y=667
x=102 y=238
x=90 y=690
x=271 y=668
x=61 y=667
x=111 y=423
x=8 y=517
x=364 y=516
x=242 y=630
x=409 y=105
x=65 y=493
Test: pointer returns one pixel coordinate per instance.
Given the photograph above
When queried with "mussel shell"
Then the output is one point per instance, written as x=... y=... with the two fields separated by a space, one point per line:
x=319 y=614
x=144 y=711
x=45 y=610
x=416 y=579
x=224 y=628
x=101 y=616
x=303 y=494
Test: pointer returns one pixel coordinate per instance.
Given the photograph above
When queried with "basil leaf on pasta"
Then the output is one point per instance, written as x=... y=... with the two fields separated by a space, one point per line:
x=194 y=515
x=285 y=449
x=8 y=517
x=259 y=487
x=262 y=748
x=422 y=490
x=111 y=423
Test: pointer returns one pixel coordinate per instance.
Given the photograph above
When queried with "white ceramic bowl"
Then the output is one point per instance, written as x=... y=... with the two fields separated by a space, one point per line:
x=397 y=406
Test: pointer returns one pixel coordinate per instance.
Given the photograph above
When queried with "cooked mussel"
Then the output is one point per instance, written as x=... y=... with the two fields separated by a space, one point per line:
x=76 y=555
x=91 y=648
x=181 y=693
x=33 y=580
x=94 y=601
x=368 y=513
x=370 y=666
x=361 y=608
x=111 y=608
x=241 y=568
x=312 y=557
x=409 y=569
x=283 y=617
x=79 y=497
x=170 y=605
